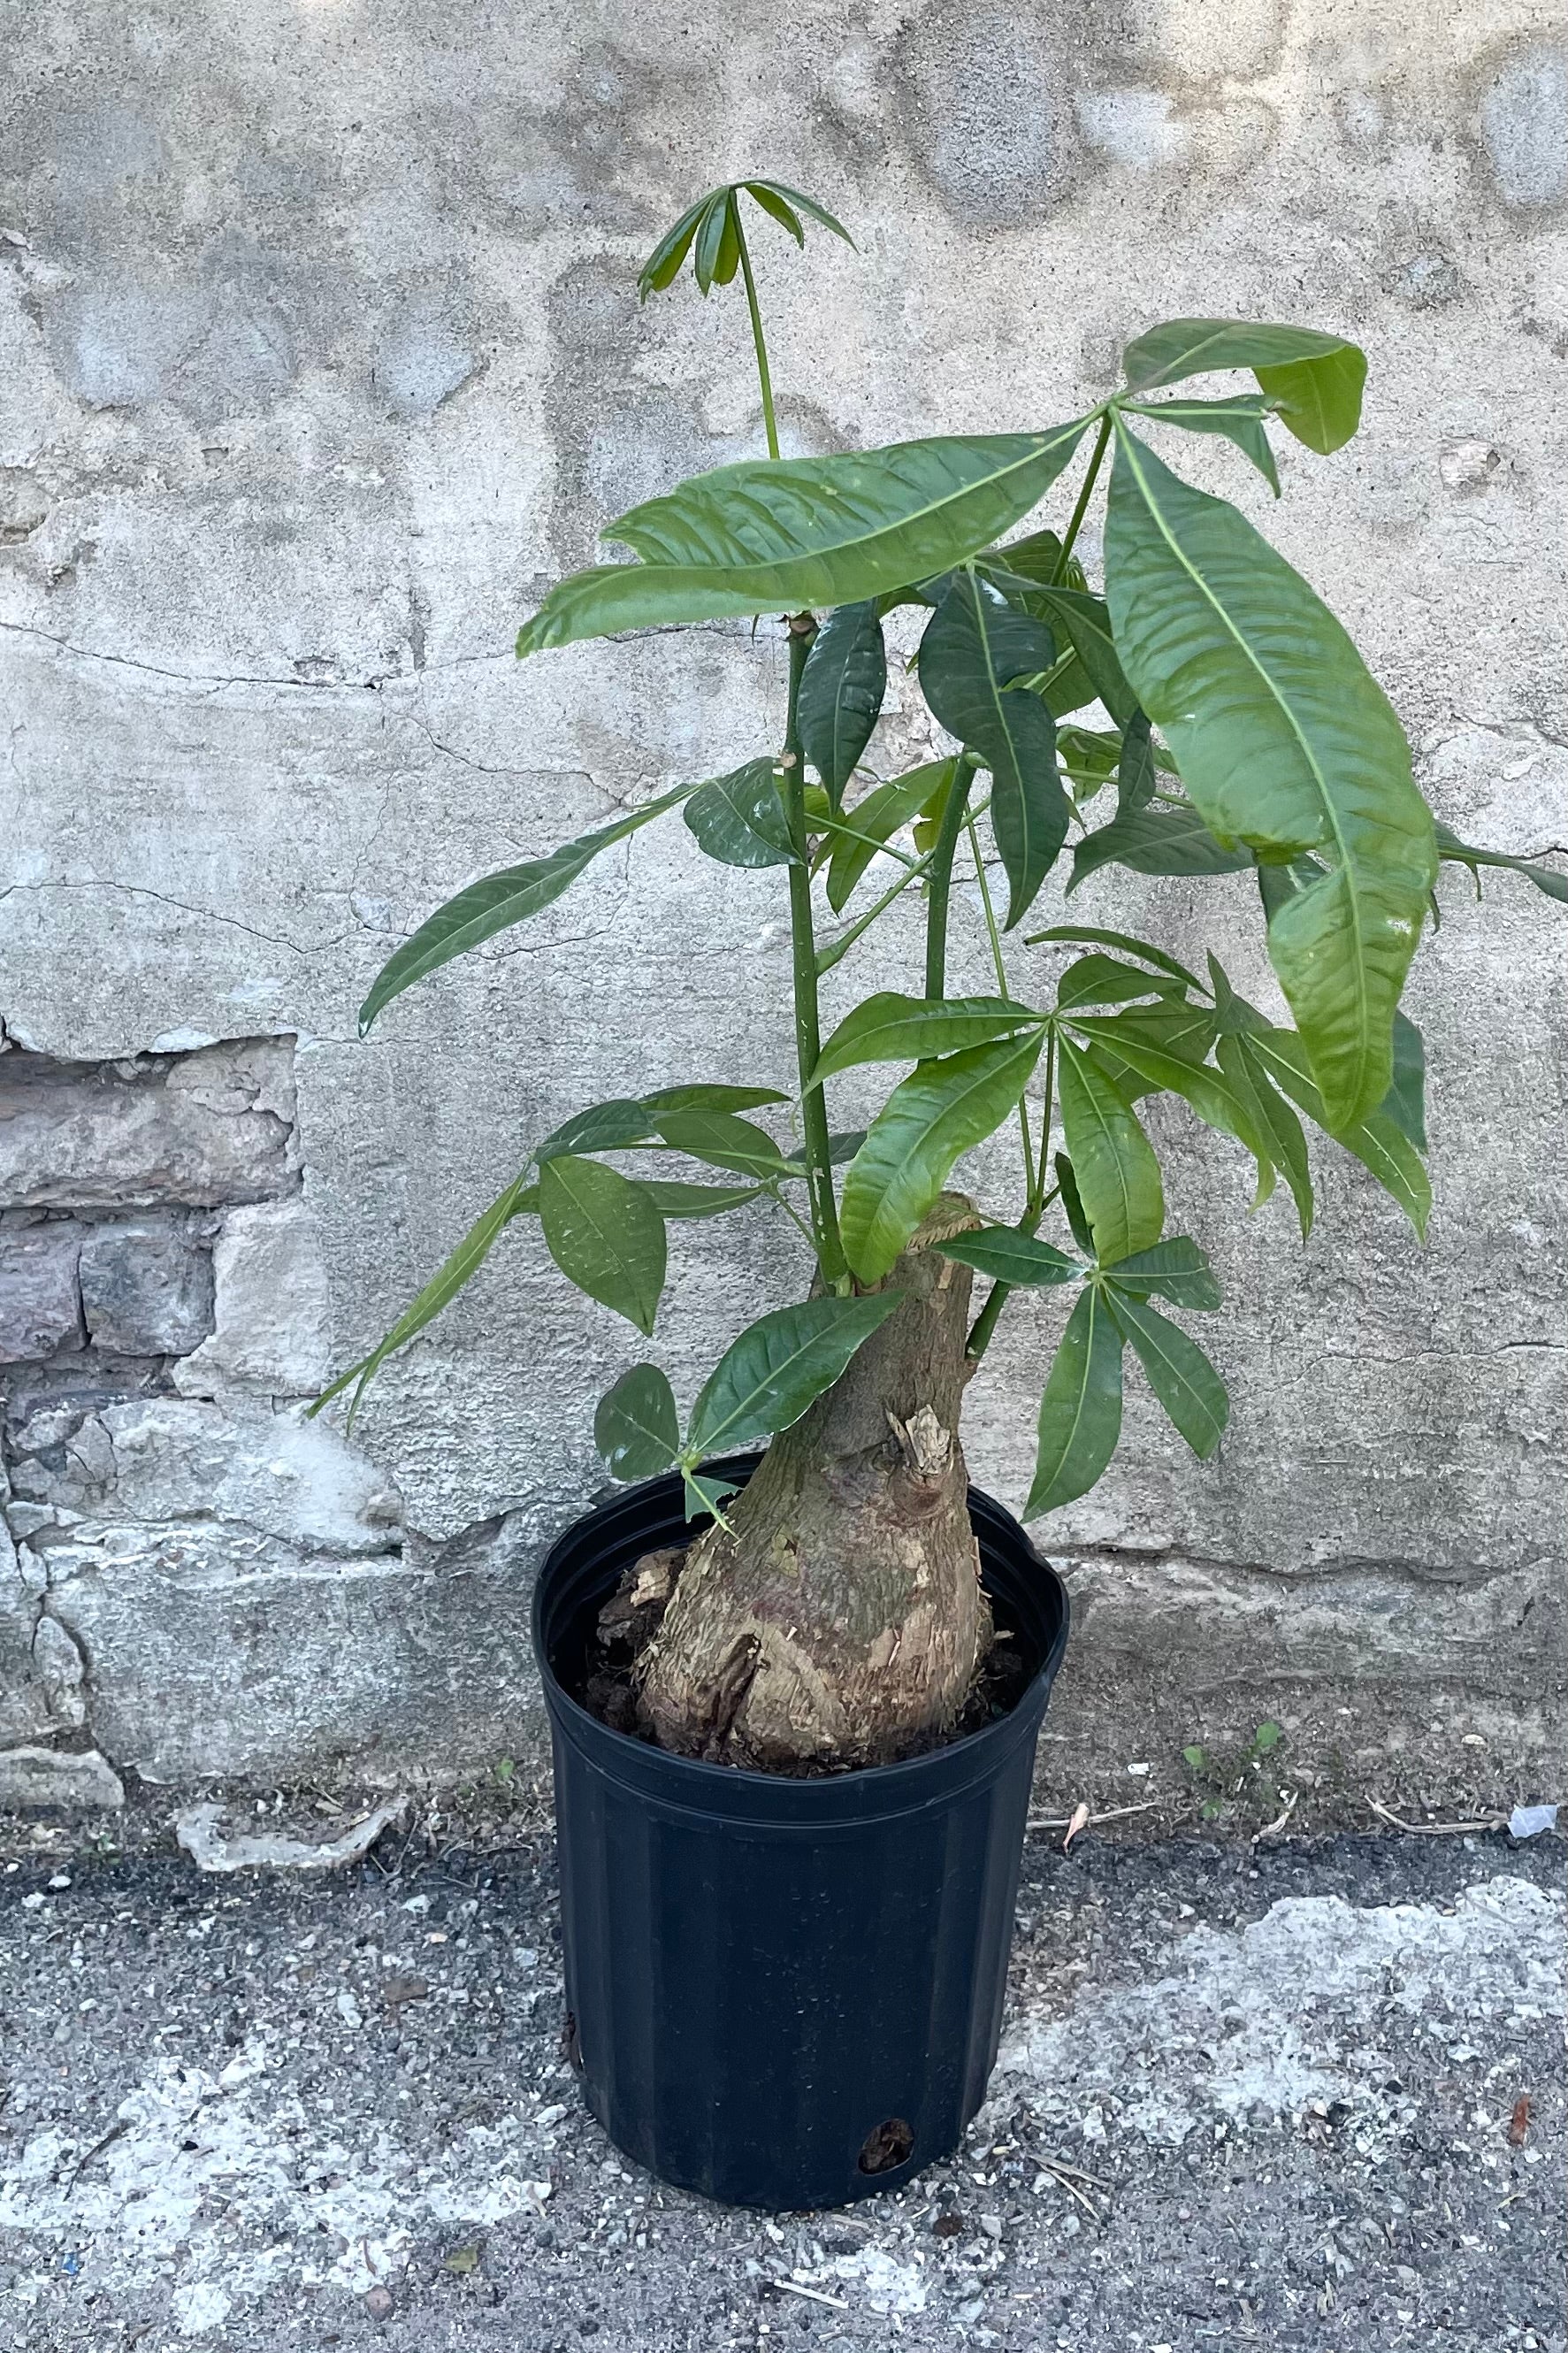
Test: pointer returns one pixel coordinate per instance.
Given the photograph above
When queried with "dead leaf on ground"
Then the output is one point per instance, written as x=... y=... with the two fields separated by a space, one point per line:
x=462 y=2259
x=1519 y=2123
x=397 y=1990
x=1079 y=1822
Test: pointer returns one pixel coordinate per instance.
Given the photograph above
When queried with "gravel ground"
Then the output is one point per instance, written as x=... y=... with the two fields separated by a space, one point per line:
x=1248 y=2096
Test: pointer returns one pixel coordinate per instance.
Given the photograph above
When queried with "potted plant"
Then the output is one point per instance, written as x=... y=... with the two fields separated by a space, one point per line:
x=794 y=1726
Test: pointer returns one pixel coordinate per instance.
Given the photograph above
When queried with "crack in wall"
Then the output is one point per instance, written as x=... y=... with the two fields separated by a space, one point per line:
x=1246 y=1575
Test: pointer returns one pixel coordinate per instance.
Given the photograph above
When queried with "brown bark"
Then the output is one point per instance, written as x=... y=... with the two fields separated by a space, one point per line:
x=839 y=1620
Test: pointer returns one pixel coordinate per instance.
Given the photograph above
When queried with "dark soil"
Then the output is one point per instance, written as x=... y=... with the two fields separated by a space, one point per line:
x=604 y=1679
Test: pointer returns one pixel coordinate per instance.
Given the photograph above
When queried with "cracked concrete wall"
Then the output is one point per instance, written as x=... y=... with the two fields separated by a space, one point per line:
x=322 y=359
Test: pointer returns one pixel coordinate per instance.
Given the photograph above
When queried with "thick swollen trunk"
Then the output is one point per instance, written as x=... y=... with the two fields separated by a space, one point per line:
x=841 y=1620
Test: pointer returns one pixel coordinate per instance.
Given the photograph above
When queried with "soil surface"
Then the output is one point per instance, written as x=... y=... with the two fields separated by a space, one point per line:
x=1269 y=2097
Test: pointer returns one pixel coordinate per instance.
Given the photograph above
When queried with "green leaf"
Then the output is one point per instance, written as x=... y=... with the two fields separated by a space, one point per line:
x=1275 y=1121
x=444 y=1285
x=1088 y=759
x=1178 y=1270
x=1011 y=1257
x=673 y=1199
x=604 y=1127
x=1318 y=400
x=940 y=1111
x=893 y=1029
x=1088 y=935
x=1463 y=853
x=663 y=264
x=1081 y=1412
x=1375 y=1141
x=841 y=691
x=1155 y=841
x=883 y=812
x=1284 y=743
x=706 y=1497
x=795 y=201
x=724 y=1142
x=718 y=252
x=972 y=651
x=637 y=1429
x=1176 y=1025
x=1097 y=979
x=1179 y=1373
x=1136 y=774
x=785 y=535
x=605 y=1235
x=1084 y=622
x=1267 y=1736
x=739 y=818
x=842 y=1146
x=1037 y=557
x=1072 y=1207
x=1113 y=1159
x=502 y=899
x=767 y=197
x=1130 y=1040
x=1240 y=420
x=1314 y=380
x=700 y=1095
x=1405 y=1102
x=767 y=1377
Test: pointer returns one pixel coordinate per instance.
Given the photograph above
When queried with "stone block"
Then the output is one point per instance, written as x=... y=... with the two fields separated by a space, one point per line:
x=202 y=1128
x=146 y=1288
x=70 y=1780
x=41 y=1666
x=272 y=1314
x=40 y=1307
x=176 y=1459
x=218 y=1651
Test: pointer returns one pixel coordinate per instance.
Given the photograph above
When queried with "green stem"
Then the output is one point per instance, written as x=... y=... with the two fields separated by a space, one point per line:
x=852 y=833
x=838 y=949
x=1083 y=497
x=769 y=422
x=953 y=816
x=1040 y=1201
x=999 y=966
x=790 y=775
x=791 y=1212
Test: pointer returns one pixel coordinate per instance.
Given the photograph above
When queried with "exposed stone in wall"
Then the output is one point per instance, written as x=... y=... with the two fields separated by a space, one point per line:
x=272 y=1317
x=203 y=1128
x=196 y=1579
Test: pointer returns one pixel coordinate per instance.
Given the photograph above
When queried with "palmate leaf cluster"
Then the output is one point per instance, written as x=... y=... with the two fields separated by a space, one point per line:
x=1198 y=713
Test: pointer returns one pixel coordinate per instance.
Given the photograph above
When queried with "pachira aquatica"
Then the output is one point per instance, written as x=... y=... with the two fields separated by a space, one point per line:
x=1196 y=710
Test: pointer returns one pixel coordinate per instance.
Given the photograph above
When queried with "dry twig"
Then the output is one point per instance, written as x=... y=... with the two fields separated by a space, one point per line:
x=792 y=2287
x=1112 y=1814
x=1437 y=1830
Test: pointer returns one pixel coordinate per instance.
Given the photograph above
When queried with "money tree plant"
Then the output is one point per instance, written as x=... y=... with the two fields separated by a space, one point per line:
x=1197 y=712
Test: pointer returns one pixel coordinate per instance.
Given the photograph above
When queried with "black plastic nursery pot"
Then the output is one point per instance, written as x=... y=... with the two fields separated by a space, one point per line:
x=785 y=1993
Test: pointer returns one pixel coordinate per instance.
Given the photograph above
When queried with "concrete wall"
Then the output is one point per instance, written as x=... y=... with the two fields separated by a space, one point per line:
x=322 y=359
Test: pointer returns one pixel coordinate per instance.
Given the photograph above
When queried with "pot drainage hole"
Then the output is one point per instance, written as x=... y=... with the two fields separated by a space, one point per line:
x=887 y=2144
